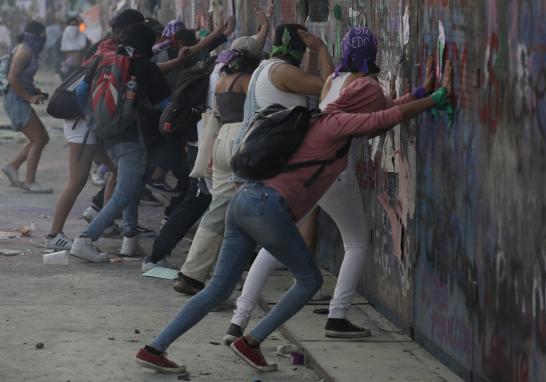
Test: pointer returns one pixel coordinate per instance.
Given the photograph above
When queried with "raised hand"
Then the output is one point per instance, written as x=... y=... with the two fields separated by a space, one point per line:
x=448 y=78
x=430 y=77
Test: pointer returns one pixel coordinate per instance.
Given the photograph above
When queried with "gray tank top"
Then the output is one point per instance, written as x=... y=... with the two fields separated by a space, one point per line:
x=230 y=104
x=26 y=76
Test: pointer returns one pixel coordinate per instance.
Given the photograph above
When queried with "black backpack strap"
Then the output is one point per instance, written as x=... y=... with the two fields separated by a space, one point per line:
x=319 y=162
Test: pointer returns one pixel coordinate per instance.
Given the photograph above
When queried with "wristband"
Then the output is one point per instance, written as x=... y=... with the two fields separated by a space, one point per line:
x=440 y=98
x=419 y=92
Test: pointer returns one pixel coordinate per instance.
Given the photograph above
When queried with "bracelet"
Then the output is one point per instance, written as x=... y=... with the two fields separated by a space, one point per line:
x=419 y=92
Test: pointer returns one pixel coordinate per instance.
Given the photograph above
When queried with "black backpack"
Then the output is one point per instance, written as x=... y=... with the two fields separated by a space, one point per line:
x=179 y=119
x=64 y=103
x=273 y=136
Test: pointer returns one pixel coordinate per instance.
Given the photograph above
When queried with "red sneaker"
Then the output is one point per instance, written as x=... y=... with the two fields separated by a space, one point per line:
x=159 y=363
x=252 y=355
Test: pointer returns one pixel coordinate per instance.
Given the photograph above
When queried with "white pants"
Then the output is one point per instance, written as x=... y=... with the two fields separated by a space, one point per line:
x=343 y=202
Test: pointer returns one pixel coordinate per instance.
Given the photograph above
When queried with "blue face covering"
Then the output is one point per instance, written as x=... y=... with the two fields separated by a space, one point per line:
x=35 y=42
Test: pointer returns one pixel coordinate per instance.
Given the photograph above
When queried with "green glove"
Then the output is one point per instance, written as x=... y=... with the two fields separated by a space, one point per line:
x=440 y=98
x=442 y=103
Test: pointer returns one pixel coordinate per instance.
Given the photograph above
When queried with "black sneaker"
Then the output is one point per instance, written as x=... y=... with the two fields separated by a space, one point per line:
x=343 y=328
x=187 y=285
x=162 y=187
x=233 y=332
x=144 y=232
x=149 y=199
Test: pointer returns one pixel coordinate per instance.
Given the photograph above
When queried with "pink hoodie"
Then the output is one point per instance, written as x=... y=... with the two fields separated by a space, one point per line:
x=360 y=110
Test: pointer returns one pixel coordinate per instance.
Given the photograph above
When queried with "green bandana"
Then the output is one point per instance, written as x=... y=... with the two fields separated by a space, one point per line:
x=285 y=48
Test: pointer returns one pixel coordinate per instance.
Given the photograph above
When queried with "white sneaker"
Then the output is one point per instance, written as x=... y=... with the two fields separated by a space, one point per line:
x=98 y=179
x=148 y=265
x=130 y=247
x=36 y=188
x=12 y=174
x=59 y=242
x=89 y=214
x=85 y=249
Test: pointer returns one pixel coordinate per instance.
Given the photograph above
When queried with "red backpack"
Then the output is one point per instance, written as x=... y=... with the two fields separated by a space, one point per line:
x=111 y=111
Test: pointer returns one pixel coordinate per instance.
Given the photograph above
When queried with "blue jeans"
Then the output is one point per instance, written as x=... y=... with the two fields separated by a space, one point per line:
x=130 y=161
x=256 y=214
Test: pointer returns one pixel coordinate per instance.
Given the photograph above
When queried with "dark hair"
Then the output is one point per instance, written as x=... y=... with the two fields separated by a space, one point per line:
x=155 y=25
x=72 y=19
x=141 y=37
x=296 y=43
x=186 y=36
x=352 y=68
x=244 y=62
x=124 y=19
x=35 y=27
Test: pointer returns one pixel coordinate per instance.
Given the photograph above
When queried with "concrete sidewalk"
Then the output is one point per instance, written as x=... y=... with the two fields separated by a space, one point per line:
x=385 y=356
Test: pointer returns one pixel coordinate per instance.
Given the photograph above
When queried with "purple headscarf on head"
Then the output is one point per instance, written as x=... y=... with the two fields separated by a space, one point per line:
x=172 y=27
x=359 y=48
x=226 y=56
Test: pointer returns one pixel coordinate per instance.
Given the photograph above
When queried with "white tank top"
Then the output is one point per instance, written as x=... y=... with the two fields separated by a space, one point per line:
x=267 y=93
x=333 y=94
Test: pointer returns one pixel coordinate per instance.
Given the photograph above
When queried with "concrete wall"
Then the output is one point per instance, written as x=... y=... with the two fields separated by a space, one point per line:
x=456 y=213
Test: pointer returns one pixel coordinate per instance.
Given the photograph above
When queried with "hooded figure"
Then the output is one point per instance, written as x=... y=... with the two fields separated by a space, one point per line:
x=140 y=37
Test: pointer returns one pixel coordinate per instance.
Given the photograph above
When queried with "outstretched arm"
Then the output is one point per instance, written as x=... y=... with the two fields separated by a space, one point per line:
x=263 y=29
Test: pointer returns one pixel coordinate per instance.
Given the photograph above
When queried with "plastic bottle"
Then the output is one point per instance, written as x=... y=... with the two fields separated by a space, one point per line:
x=132 y=87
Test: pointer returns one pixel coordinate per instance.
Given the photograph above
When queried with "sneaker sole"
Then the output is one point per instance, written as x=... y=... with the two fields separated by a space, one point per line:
x=334 y=334
x=153 y=189
x=153 y=366
x=58 y=247
x=187 y=292
x=83 y=257
x=48 y=191
x=272 y=367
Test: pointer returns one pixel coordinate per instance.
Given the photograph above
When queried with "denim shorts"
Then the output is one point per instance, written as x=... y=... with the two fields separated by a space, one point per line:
x=18 y=110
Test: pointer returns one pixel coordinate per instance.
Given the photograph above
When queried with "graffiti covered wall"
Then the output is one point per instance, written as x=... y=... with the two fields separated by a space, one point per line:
x=456 y=212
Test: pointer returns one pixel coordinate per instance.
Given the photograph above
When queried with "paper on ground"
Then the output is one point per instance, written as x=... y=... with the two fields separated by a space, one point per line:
x=162 y=273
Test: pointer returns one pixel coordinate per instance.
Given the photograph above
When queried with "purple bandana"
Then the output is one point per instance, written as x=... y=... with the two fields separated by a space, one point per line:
x=35 y=42
x=172 y=27
x=226 y=56
x=359 y=48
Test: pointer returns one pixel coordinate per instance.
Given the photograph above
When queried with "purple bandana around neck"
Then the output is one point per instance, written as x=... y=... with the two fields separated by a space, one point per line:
x=35 y=42
x=172 y=27
x=359 y=48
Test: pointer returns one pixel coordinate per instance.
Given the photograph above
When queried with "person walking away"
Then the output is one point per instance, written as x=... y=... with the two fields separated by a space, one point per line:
x=265 y=212
x=21 y=95
x=126 y=149
x=342 y=201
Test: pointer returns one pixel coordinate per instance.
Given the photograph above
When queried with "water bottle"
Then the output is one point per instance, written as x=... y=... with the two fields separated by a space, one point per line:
x=132 y=86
